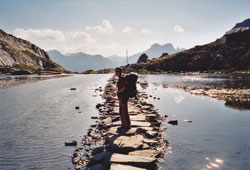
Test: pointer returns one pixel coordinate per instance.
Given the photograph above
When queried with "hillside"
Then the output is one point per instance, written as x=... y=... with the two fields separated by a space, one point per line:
x=232 y=52
x=21 y=56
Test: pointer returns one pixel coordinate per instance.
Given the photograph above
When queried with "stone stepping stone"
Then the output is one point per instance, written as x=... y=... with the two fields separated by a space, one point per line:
x=133 y=124
x=147 y=152
x=115 y=166
x=136 y=160
x=139 y=117
x=125 y=144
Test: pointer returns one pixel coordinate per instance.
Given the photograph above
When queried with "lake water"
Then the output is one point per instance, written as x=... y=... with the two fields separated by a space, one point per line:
x=37 y=118
x=217 y=138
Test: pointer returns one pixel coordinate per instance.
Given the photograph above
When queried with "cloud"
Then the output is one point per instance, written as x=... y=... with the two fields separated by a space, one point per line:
x=106 y=27
x=144 y=30
x=128 y=29
x=44 y=34
x=178 y=29
x=179 y=99
x=80 y=36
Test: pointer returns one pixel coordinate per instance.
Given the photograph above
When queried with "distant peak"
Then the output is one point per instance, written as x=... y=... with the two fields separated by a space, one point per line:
x=245 y=23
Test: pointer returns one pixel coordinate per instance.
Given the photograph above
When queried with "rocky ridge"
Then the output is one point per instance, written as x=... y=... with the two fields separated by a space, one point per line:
x=105 y=147
x=18 y=55
x=231 y=52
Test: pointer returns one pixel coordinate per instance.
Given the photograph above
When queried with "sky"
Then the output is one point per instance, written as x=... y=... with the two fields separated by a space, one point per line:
x=109 y=27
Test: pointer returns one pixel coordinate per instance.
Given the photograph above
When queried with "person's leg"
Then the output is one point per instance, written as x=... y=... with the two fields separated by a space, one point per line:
x=126 y=115
x=125 y=120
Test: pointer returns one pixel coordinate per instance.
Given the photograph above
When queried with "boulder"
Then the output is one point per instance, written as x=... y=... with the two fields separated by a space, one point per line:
x=143 y=58
x=125 y=144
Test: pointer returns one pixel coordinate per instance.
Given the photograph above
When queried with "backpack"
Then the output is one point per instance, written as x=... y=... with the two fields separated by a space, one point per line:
x=131 y=90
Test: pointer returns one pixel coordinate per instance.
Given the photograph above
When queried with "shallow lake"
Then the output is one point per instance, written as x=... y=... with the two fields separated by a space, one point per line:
x=218 y=136
x=37 y=118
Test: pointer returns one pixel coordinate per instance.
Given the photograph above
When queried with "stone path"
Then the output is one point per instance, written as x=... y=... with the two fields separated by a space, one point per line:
x=104 y=147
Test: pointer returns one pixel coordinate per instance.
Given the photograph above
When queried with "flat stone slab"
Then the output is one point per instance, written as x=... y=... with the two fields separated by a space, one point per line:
x=131 y=159
x=147 y=152
x=115 y=166
x=139 y=117
x=125 y=144
x=133 y=124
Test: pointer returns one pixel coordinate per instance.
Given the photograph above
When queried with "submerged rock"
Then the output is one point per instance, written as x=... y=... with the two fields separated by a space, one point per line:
x=173 y=122
x=72 y=143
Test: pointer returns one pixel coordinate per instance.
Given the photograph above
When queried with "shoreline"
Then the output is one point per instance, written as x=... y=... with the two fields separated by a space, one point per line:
x=10 y=81
x=103 y=147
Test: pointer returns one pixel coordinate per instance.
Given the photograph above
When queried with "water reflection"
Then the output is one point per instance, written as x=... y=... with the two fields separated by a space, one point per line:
x=215 y=164
x=216 y=132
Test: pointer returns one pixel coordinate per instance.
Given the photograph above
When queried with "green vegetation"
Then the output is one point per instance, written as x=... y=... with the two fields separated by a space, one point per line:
x=26 y=67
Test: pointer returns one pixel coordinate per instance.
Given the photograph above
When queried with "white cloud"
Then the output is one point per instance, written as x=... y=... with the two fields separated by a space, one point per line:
x=45 y=34
x=178 y=28
x=128 y=29
x=80 y=36
x=144 y=31
x=106 y=27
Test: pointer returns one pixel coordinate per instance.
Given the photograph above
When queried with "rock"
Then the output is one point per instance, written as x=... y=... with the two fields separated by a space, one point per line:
x=21 y=72
x=72 y=143
x=77 y=107
x=133 y=124
x=173 y=122
x=143 y=58
x=147 y=152
x=125 y=144
x=97 y=167
x=94 y=117
x=98 y=105
x=115 y=166
x=73 y=88
x=189 y=121
x=100 y=158
x=134 y=160
x=76 y=160
x=106 y=121
x=98 y=150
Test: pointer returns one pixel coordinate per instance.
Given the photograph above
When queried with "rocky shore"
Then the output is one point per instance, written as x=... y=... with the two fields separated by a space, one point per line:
x=105 y=147
x=234 y=97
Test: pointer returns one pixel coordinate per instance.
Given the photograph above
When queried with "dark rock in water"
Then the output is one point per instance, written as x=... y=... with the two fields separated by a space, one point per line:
x=94 y=117
x=98 y=105
x=143 y=58
x=100 y=158
x=77 y=107
x=73 y=88
x=72 y=143
x=166 y=116
x=173 y=122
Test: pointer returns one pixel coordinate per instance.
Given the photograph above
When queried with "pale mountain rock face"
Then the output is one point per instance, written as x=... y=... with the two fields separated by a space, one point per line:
x=16 y=51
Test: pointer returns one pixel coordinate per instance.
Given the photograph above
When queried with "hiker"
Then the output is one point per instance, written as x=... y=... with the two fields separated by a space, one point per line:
x=123 y=100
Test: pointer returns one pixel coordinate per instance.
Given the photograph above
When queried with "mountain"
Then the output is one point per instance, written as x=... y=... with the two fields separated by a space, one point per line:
x=239 y=27
x=21 y=56
x=231 y=52
x=156 y=50
x=78 y=62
